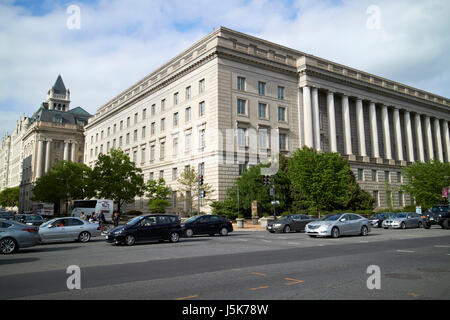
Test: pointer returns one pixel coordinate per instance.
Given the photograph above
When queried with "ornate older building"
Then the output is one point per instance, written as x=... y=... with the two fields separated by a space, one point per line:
x=234 y=89
x=54 y=132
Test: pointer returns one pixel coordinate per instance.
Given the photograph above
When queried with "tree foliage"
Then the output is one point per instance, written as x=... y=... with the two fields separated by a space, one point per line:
x=9 y=197
x=424 y=181
x=158 y=195
x=188 y=187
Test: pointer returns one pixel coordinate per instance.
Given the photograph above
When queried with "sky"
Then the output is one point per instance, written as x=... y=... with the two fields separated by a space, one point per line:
x=108 y=45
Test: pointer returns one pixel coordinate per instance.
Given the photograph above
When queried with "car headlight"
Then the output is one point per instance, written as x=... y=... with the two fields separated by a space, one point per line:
x=118 y=232
x=277 y=225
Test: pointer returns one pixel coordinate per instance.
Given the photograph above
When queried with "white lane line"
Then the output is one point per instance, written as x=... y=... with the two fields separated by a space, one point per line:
x=405 y=251
x=294 y=243
x=242 y=239
x=364 y=241
x=266 y=240
x=441 y=246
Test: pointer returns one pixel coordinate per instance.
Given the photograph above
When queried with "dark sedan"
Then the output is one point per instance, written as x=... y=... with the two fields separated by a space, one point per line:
x=289 y=223
x=207 y=224
x=148 y=228
x=30 y=219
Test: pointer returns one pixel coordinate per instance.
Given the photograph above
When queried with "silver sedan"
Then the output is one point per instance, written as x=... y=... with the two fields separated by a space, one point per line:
x=68 y=229
x=335 y=225
x=404 y=220
x=15 y=235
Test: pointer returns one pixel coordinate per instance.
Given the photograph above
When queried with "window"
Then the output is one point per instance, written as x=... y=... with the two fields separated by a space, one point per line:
x=188 y=114
x=162 y=151
x=201 y=168
x=280 y=92
x=161 y=174
x=107 y=147
x=143 y=155
x=261 y=88
x=201 y=86
x=128 y=122
x=281 y=114
x=135 y=135
x=135 y=118
x=175 y=98
x=202 y=138
x=201 y=109
x=241 y=137
x=242 y=168
x=262 y=137
x=174 y=200
x=386 y=176
x=114 y=143
x=163 y=105
x=283 y=142
x=262 y=111
x=375 y=196
x=151 y=176
x=163 y=124
x=241 y=83
x=152 y=129
x=175 y=146
x=152 y=153
x=121 y=125
x=400 y=199
x=175 y=119
x=92 y=139
x=128 y=139
x=187 y=143
x=174 y=174
x=143 y=132
x=374 y=175
x=188 y=93
x=144 y=114
x=241 y=106
x=108 y=132
x=114 y=129
x=399 y=177
x=153 y=109
x=120 y=141
x=360 y=174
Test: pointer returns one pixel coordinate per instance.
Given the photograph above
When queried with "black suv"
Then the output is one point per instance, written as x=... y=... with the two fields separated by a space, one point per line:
x=147 y=228
x=207 y=224
x=439 y=214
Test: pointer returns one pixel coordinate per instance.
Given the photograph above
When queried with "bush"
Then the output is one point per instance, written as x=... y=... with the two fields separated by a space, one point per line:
x=134 y=213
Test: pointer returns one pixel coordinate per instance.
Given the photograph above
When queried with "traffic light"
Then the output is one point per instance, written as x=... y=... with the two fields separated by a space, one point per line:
x=266 y=180
x=203 y=193
x=200 y=180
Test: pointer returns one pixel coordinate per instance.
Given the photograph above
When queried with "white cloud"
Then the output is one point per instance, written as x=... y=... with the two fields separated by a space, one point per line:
x=120 y=42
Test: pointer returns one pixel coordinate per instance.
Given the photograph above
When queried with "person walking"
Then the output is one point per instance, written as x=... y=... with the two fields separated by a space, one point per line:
x=101 y=220
x=83 y=216
x=116 y=219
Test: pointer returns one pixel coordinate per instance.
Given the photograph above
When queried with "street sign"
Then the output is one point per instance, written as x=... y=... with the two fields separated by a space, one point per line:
x=419 y=210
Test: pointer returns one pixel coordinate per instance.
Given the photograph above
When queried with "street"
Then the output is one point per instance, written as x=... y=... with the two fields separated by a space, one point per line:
x=414 y=264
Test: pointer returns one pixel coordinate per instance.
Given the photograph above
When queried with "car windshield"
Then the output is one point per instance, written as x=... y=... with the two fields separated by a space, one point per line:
x=34 y=218
x=134 y=221
x=47 y=223
x=331 y=217
x=192 y=219
x=401 y=215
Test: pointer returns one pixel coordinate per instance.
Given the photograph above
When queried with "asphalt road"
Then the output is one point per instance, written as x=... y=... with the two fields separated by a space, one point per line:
x=414 y=264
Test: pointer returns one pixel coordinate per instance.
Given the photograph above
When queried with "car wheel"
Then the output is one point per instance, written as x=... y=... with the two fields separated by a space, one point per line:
x=427 y=226
x=223 y=232
x=403 y=225
x=287 y=229
x=174 y=237
x=420 y=225
x=335 y=232
x=189 y=233
x=84 y=237
x=130 y=240
x=8 y=246
x=364 y=231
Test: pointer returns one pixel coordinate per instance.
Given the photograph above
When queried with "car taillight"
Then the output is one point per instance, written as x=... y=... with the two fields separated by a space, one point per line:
x=30 y=230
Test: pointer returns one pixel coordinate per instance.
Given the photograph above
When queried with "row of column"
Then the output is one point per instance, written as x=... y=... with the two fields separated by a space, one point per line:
x=311 y=125
x=43 y=161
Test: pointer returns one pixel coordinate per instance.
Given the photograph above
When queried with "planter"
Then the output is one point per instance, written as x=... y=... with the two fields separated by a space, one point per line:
x=264 y=221
x=240 y=222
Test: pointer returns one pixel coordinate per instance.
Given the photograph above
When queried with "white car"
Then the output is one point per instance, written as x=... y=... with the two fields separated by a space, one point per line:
x=335 y=225
x=68 y=229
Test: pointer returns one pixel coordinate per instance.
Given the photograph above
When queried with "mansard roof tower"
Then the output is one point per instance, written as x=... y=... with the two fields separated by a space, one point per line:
x=58 y=97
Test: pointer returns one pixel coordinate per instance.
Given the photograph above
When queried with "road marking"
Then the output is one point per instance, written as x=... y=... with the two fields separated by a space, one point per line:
x=242 y=239
x=266 y=240
x=364 y=241
x=259 y=274
x=295 y=281
x=414 y=295
x=294 y=243
x=441 y=246
x=258 y=288
x=188 y=297
x=235 y=269
x=405 y=251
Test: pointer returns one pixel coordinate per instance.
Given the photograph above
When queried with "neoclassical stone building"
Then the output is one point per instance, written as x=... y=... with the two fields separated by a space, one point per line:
x=54 y=132
x=230 y=88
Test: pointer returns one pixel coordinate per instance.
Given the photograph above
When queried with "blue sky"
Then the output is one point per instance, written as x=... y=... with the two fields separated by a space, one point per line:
x=120 y=42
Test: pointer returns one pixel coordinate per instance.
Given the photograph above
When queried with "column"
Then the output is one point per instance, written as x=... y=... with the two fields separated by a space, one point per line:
x=446 y=140
x=346 y=122
x=409 y=139
x=360 y=126
x=437 y=136
x=387 y=135
x=47 y=156
x=74 y=151
x=39 y=159
x=66 y=151
x=316 y=120
x=331 y=121
x=374 y=130
x=307 y=117
x=419 y=136
x=429 y=137
x=398 y=134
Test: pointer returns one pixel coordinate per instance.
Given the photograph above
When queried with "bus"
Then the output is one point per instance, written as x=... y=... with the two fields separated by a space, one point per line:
x=93 y=207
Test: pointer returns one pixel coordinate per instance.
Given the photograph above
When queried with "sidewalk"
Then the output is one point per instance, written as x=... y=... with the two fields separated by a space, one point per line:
x=248 y=226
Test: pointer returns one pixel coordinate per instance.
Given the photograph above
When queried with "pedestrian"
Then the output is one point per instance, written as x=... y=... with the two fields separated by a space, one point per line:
x=116 y=219
x=101 y=220
x=83 y=216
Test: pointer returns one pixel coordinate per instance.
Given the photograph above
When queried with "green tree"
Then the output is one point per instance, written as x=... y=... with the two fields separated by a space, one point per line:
x=117 y=178
x=158 y=195
x=424 y=181
x=10 y=197
x=188 y=187
x=63 y=181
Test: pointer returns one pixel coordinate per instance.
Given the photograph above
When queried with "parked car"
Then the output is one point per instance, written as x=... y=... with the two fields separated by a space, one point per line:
x=377 y=220
x=288 y=223
x=335 y=225
x=30 y=219
x=147 y=228
x=8 y=215
x=439 y=214
x=207 y=224
x=68 y=229
x=15 y=235
x=404 y=220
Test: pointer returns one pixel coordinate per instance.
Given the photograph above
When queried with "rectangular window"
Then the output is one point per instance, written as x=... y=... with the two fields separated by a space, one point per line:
x=162 y=151
x=101 y=136
x=152 y=129
x=175 y=98
x=400 y=199
x=175 y=119
x=262 y=135
x=201 y=168
x=135 y=135
x=375 y=196
x=134 y=156
x=174 y=199
x=143 y=155
x=201 y=108
x=201 y=86
x=121 y=125
x=374 y=175
x=280 y=92
x=187 y=143
x=175 y=146
x=399 y=177
x=262 y=110
x=241 y=137
x=152 y=153
x=108 y=132
x=241 y=83
x=163 y=124
x=144 y=114
x=120 y=141
x=360 y=174
x=261 y=88
x=151 y=176
x=174 y=174
x=283 y=141
x=241 y=106
x=188 y=114
x=202 y=138
x=387 y=176
x=281 y=114
x=115 y=129
x=114 y=143
x=161 y=174
x=128 y=139
x=153 y=109
x=143 y=132
x=128 y=122
x=188 y=93
x=136 y=118
x=163 y=105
